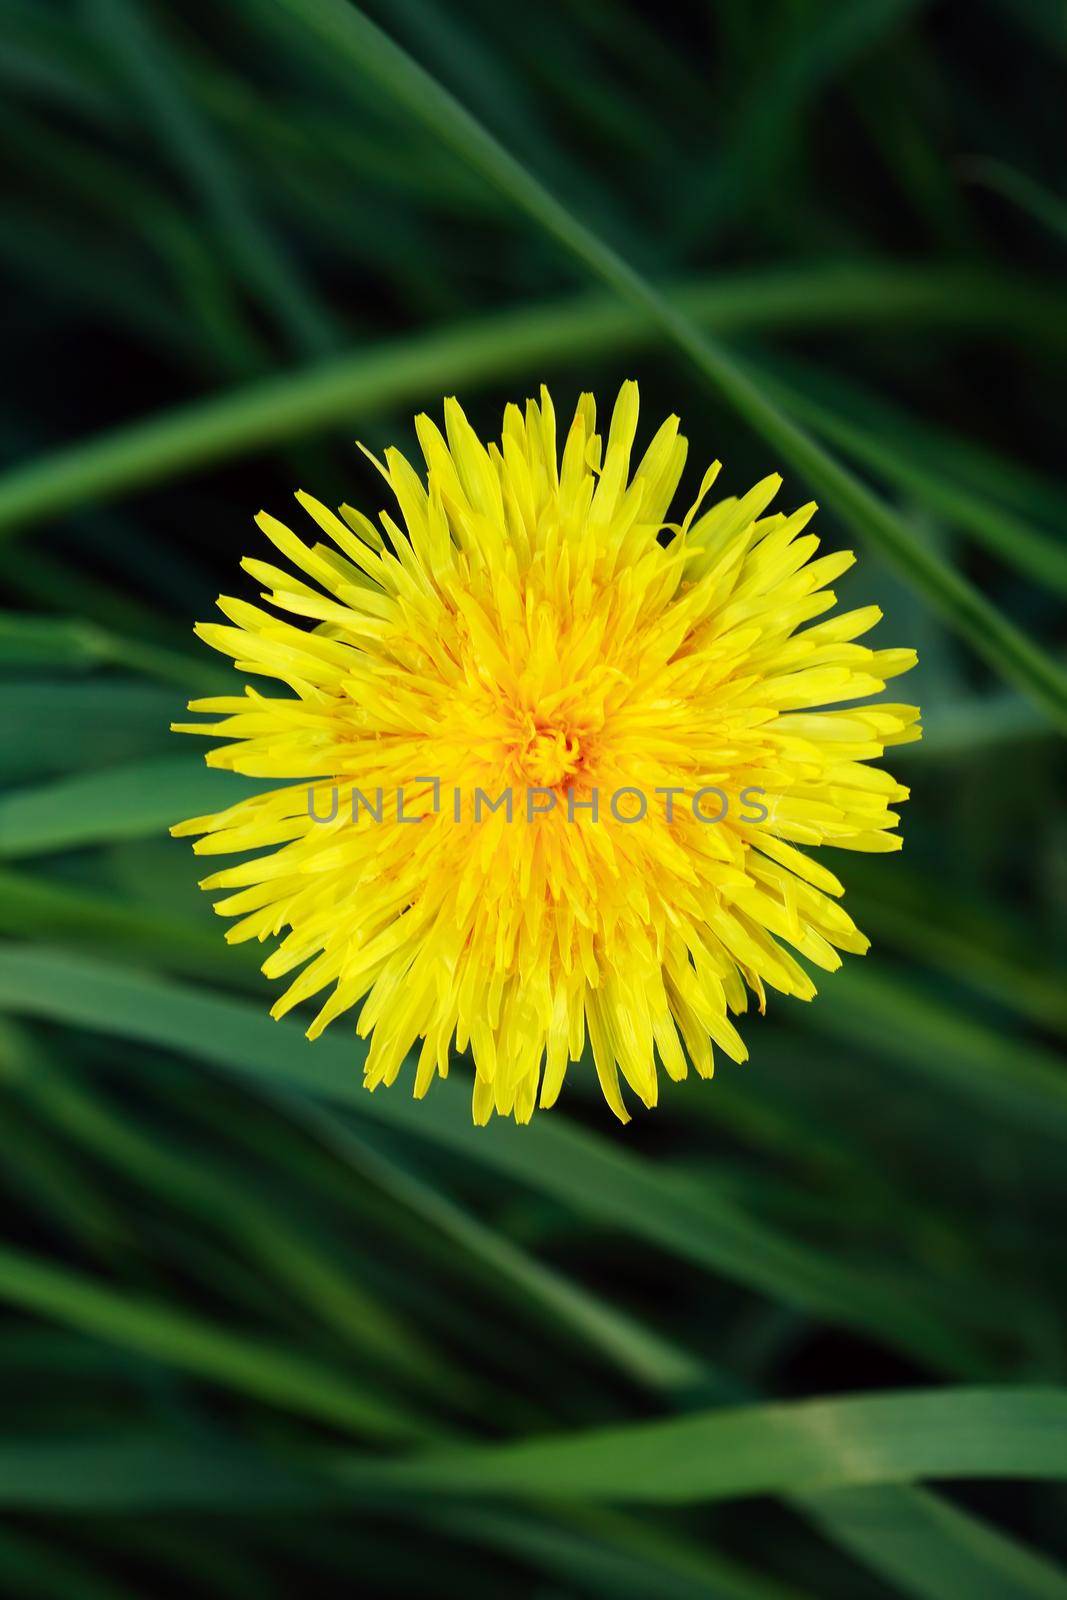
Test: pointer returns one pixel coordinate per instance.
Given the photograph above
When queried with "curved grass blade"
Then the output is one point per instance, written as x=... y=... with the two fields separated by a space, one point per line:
x=957 y=728
x=768 y=1449
x=52 y=1186
x=969 y=939
x=39 y=579
x=52 y=727
x=293 y=405
x=850 y=1442
x=965 y=462
x=153 y=1473
x=64 y=643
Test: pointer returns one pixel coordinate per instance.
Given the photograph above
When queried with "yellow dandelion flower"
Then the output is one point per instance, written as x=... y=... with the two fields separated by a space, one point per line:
x=548 y=759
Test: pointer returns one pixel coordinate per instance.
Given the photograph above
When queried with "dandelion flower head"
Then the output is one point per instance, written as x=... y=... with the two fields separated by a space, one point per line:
x=525 y=618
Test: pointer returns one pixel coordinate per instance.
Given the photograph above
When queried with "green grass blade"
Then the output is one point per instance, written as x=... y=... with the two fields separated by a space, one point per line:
x=1016 y=542
x=967 y=938
x=72 y=643
x=337 y=393
x=930 y=1549
x=124 y=802
x=285 y=1251
x=960 y=727
x=153 y=1473
x=618 y=1338
x=53 y=727
x=1022 y=190
x=125 y=28
x=241 y=1362
x=51 y=1185
x=595 y=1177
x=1022 y=1086
x=923 y=441
x=771 y=1449
x=146 y=1473
x=991 y=634
x=38 y=578
x=66 y=643
x=32 y=907
x=613 y=1555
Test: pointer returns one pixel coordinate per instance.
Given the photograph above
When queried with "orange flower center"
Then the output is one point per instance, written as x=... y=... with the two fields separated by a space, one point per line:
x=548 y=755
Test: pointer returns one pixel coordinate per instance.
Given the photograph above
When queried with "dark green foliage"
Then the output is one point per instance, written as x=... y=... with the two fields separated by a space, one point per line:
x=799 y=1333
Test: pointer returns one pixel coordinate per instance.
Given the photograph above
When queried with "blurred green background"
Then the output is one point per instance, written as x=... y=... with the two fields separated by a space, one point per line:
x=248 y=1314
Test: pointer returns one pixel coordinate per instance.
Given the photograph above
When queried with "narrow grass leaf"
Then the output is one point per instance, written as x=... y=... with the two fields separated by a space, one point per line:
x=77 y=645
x=150 y=1472
x=1024 y=1087
x=930 y=1549
x=631 y=1347
x=60 y=726
x=123 y=802
x=241 y=1362
x=33 y=908
x=596 y=1177
x=1025 y=192
x=490 y=348
x=286 y=1252
x=125 y=26
x=1016 y=543
x=769 y=1449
